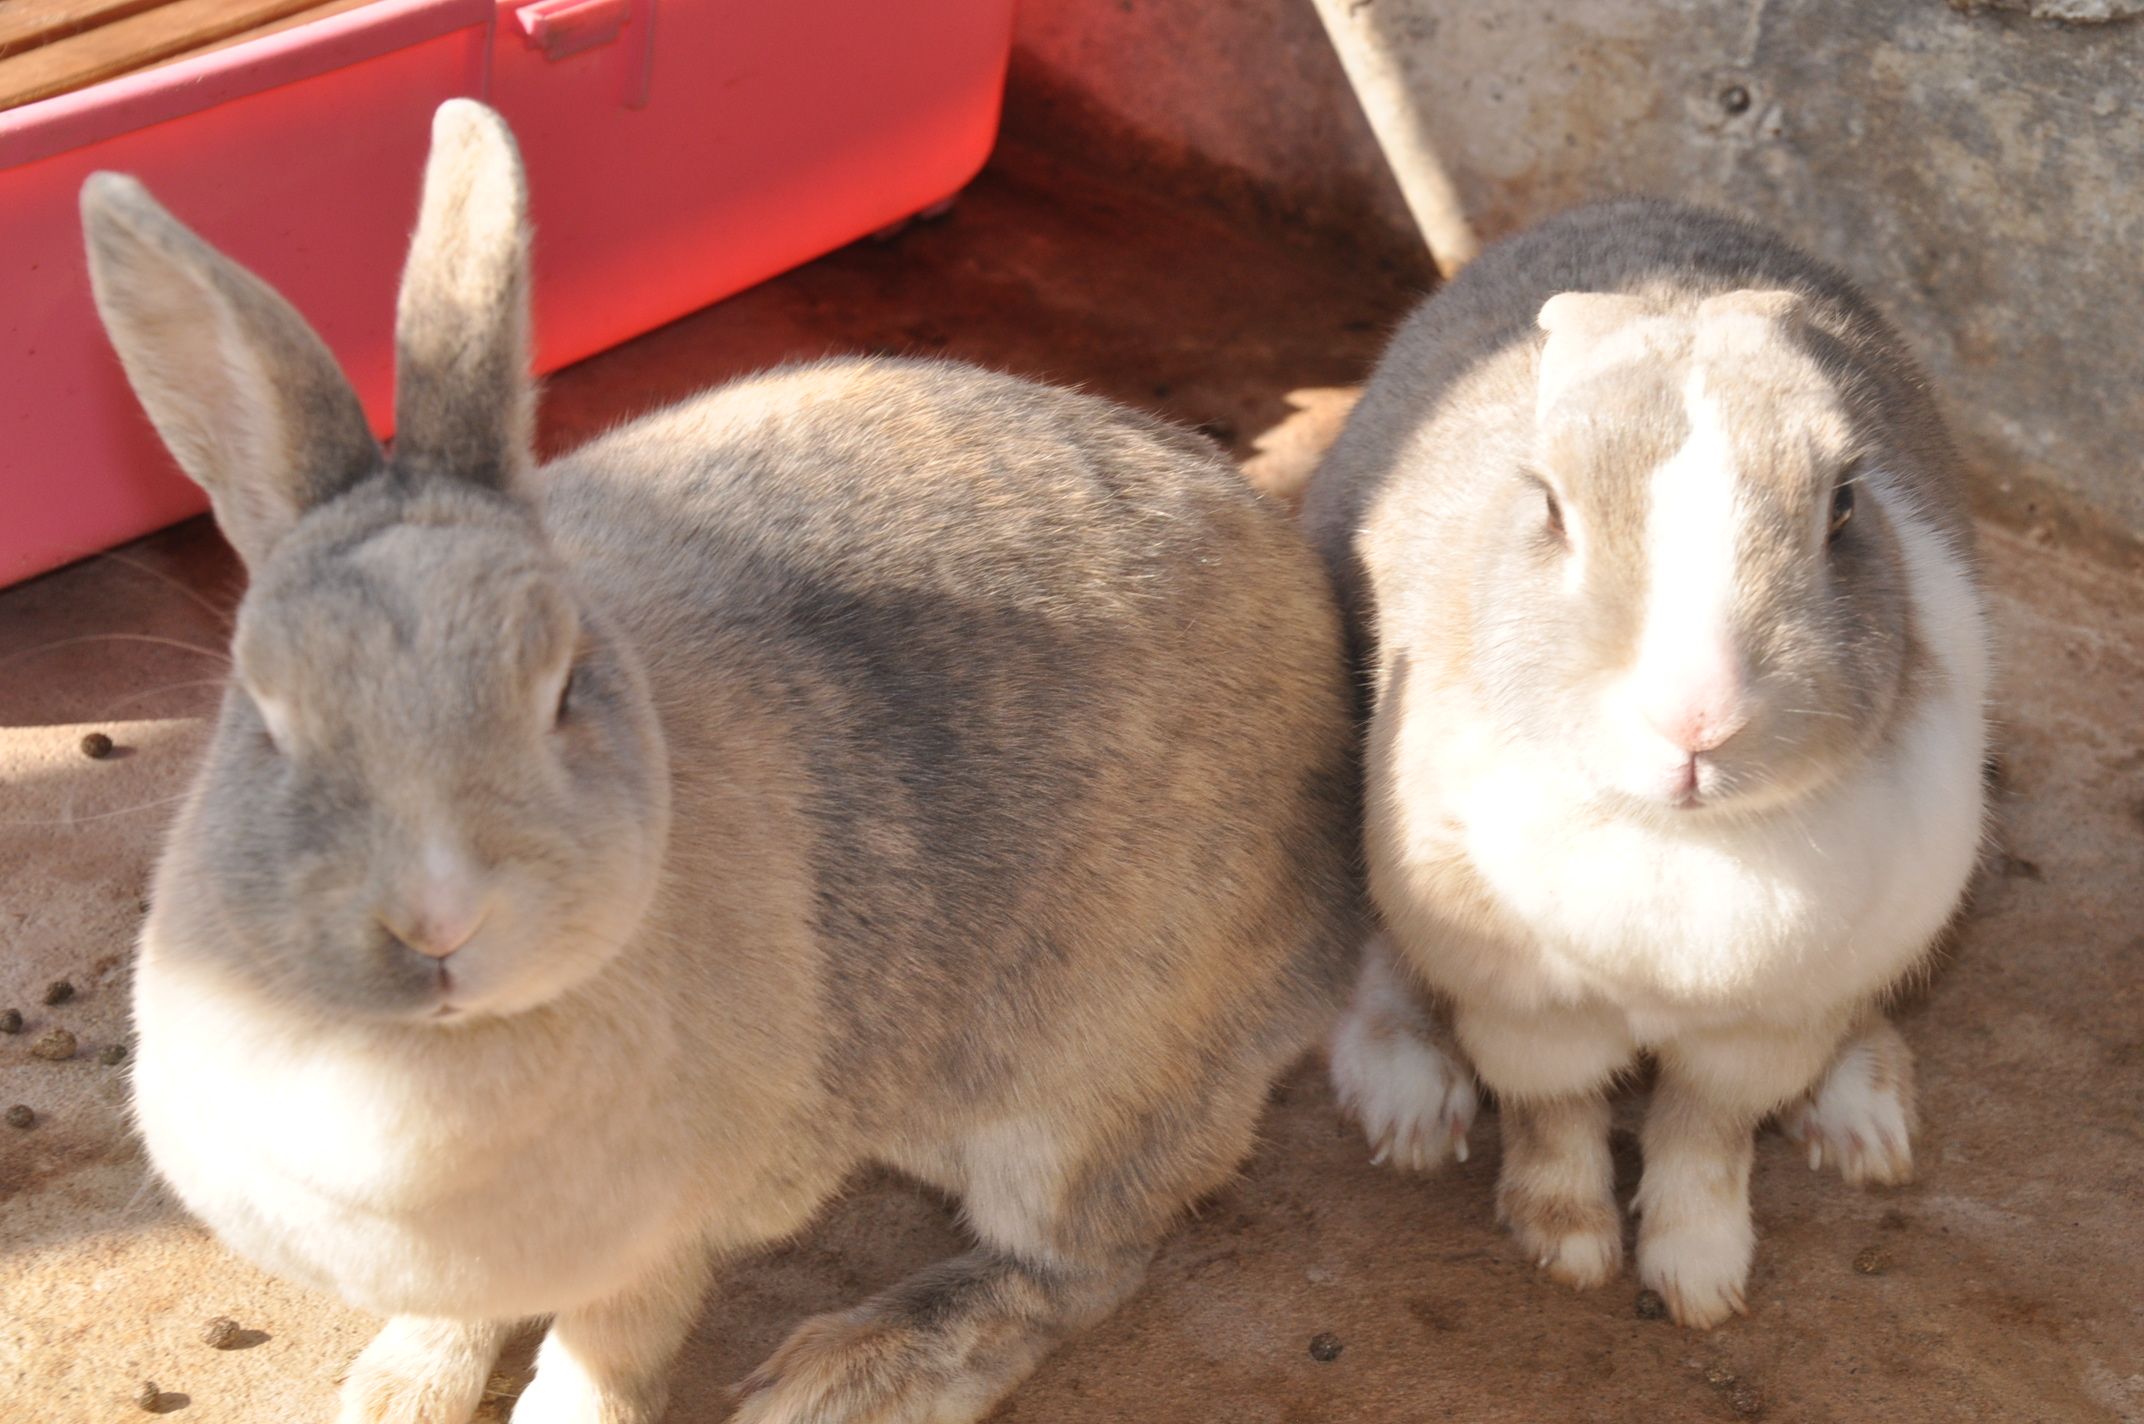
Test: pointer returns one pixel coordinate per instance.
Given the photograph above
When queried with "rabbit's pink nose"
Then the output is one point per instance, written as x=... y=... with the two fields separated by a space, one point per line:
x=439 y=936
x=1699 y=707
x=1698 y=722
x=436 y=930
x=443 y=909
x=435 y=937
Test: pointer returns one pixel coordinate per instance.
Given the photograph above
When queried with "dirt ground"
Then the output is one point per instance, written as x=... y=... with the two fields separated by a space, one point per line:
x=2006 y=1284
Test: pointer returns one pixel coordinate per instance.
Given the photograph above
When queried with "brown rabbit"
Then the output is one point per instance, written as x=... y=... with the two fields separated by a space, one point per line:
x=595 y=863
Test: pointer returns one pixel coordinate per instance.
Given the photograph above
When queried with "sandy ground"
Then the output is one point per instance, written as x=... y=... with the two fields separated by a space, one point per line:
x=2006 y=1284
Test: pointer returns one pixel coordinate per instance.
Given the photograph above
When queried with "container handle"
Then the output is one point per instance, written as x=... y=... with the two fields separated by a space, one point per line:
x=567 y=27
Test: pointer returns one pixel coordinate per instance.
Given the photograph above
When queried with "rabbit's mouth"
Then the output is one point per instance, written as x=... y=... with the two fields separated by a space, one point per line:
x=443 y=986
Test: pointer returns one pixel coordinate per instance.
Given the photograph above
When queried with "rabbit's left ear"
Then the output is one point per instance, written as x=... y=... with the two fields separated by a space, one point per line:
x=243 y=393
x=1587 y=332
x=464 y=400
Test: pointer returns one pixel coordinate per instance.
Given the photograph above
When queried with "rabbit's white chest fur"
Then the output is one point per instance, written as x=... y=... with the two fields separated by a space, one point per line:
x=1679 y=923
x=323 y=1159
x=1782 y=914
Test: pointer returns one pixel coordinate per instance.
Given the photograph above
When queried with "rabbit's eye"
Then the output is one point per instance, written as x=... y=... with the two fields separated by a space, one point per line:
x=1842 y=507
x=1552 y=515
x=1551 y=509
x=275 y=721
x=565 y=698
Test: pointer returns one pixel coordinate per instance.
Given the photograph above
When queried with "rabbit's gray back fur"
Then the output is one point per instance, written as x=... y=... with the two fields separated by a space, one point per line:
x=997 y=682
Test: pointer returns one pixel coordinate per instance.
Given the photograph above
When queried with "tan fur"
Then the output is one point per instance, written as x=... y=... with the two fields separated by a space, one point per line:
x=1604 y=468
x=1556 y=1187
x=867 y=761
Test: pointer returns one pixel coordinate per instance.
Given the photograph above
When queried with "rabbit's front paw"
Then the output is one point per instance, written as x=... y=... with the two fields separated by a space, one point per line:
x=1556 y=1188
x=561 y=1394
x=1700 y=1267
x=1412 y=1094
x=1859 y=1116
x=1577 y=1242
x=420 y=1371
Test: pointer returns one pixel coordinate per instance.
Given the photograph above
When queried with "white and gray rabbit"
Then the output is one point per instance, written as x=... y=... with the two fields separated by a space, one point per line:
x=595 y=863
x=1657 y=553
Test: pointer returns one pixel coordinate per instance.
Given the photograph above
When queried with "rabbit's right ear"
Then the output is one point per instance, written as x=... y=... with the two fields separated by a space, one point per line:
x=464 y=400
x=243 y=393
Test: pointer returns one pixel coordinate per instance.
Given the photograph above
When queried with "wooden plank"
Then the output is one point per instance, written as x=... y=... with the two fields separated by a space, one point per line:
x=318 y=10
x=26 y=24
x=133 y=43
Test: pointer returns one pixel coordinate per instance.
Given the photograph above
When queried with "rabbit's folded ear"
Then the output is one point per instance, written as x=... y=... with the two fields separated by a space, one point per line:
x=464 y=401
x=1588 y=332
x=243 y=393
x=1734 y=324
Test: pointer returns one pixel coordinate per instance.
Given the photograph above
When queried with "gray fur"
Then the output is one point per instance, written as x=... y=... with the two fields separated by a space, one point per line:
x=463 y=401
x=243 y=393
x=955 y=773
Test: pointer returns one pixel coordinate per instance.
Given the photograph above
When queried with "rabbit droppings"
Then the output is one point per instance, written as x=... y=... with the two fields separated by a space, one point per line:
x=1654 y=546
x=593 y=864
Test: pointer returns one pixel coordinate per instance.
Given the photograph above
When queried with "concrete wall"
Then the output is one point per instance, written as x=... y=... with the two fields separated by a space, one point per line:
x=1979 y=168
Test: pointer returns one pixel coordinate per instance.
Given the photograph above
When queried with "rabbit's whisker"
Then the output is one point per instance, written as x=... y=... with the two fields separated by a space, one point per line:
x=148 y=692
x=74 y=820
x=221 y=615
x=116 y=638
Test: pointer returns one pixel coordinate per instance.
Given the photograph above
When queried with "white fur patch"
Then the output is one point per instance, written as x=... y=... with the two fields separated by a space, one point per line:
x=349 y=1164
x=1686 y=649
x=565 y=1391
x=1684 y=925
x=1700 y=1266
x=1415 y=1100
x=1859 y=1117
x=1690 y=533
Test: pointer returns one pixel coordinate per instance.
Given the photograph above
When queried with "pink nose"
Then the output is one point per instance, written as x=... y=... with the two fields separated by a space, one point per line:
x=1698 y=716
x=436 y=930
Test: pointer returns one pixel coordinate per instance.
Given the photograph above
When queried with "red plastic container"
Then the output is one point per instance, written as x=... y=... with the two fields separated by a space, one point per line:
x=678 y=151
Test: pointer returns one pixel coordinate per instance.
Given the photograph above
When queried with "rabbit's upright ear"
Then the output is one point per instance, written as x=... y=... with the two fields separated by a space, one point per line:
x=464 y=401
x=245 y=395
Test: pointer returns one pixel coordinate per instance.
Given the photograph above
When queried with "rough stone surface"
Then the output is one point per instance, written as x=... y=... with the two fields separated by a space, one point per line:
x=1976 y=171
x=2067 y=12
x=2015 y=1262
